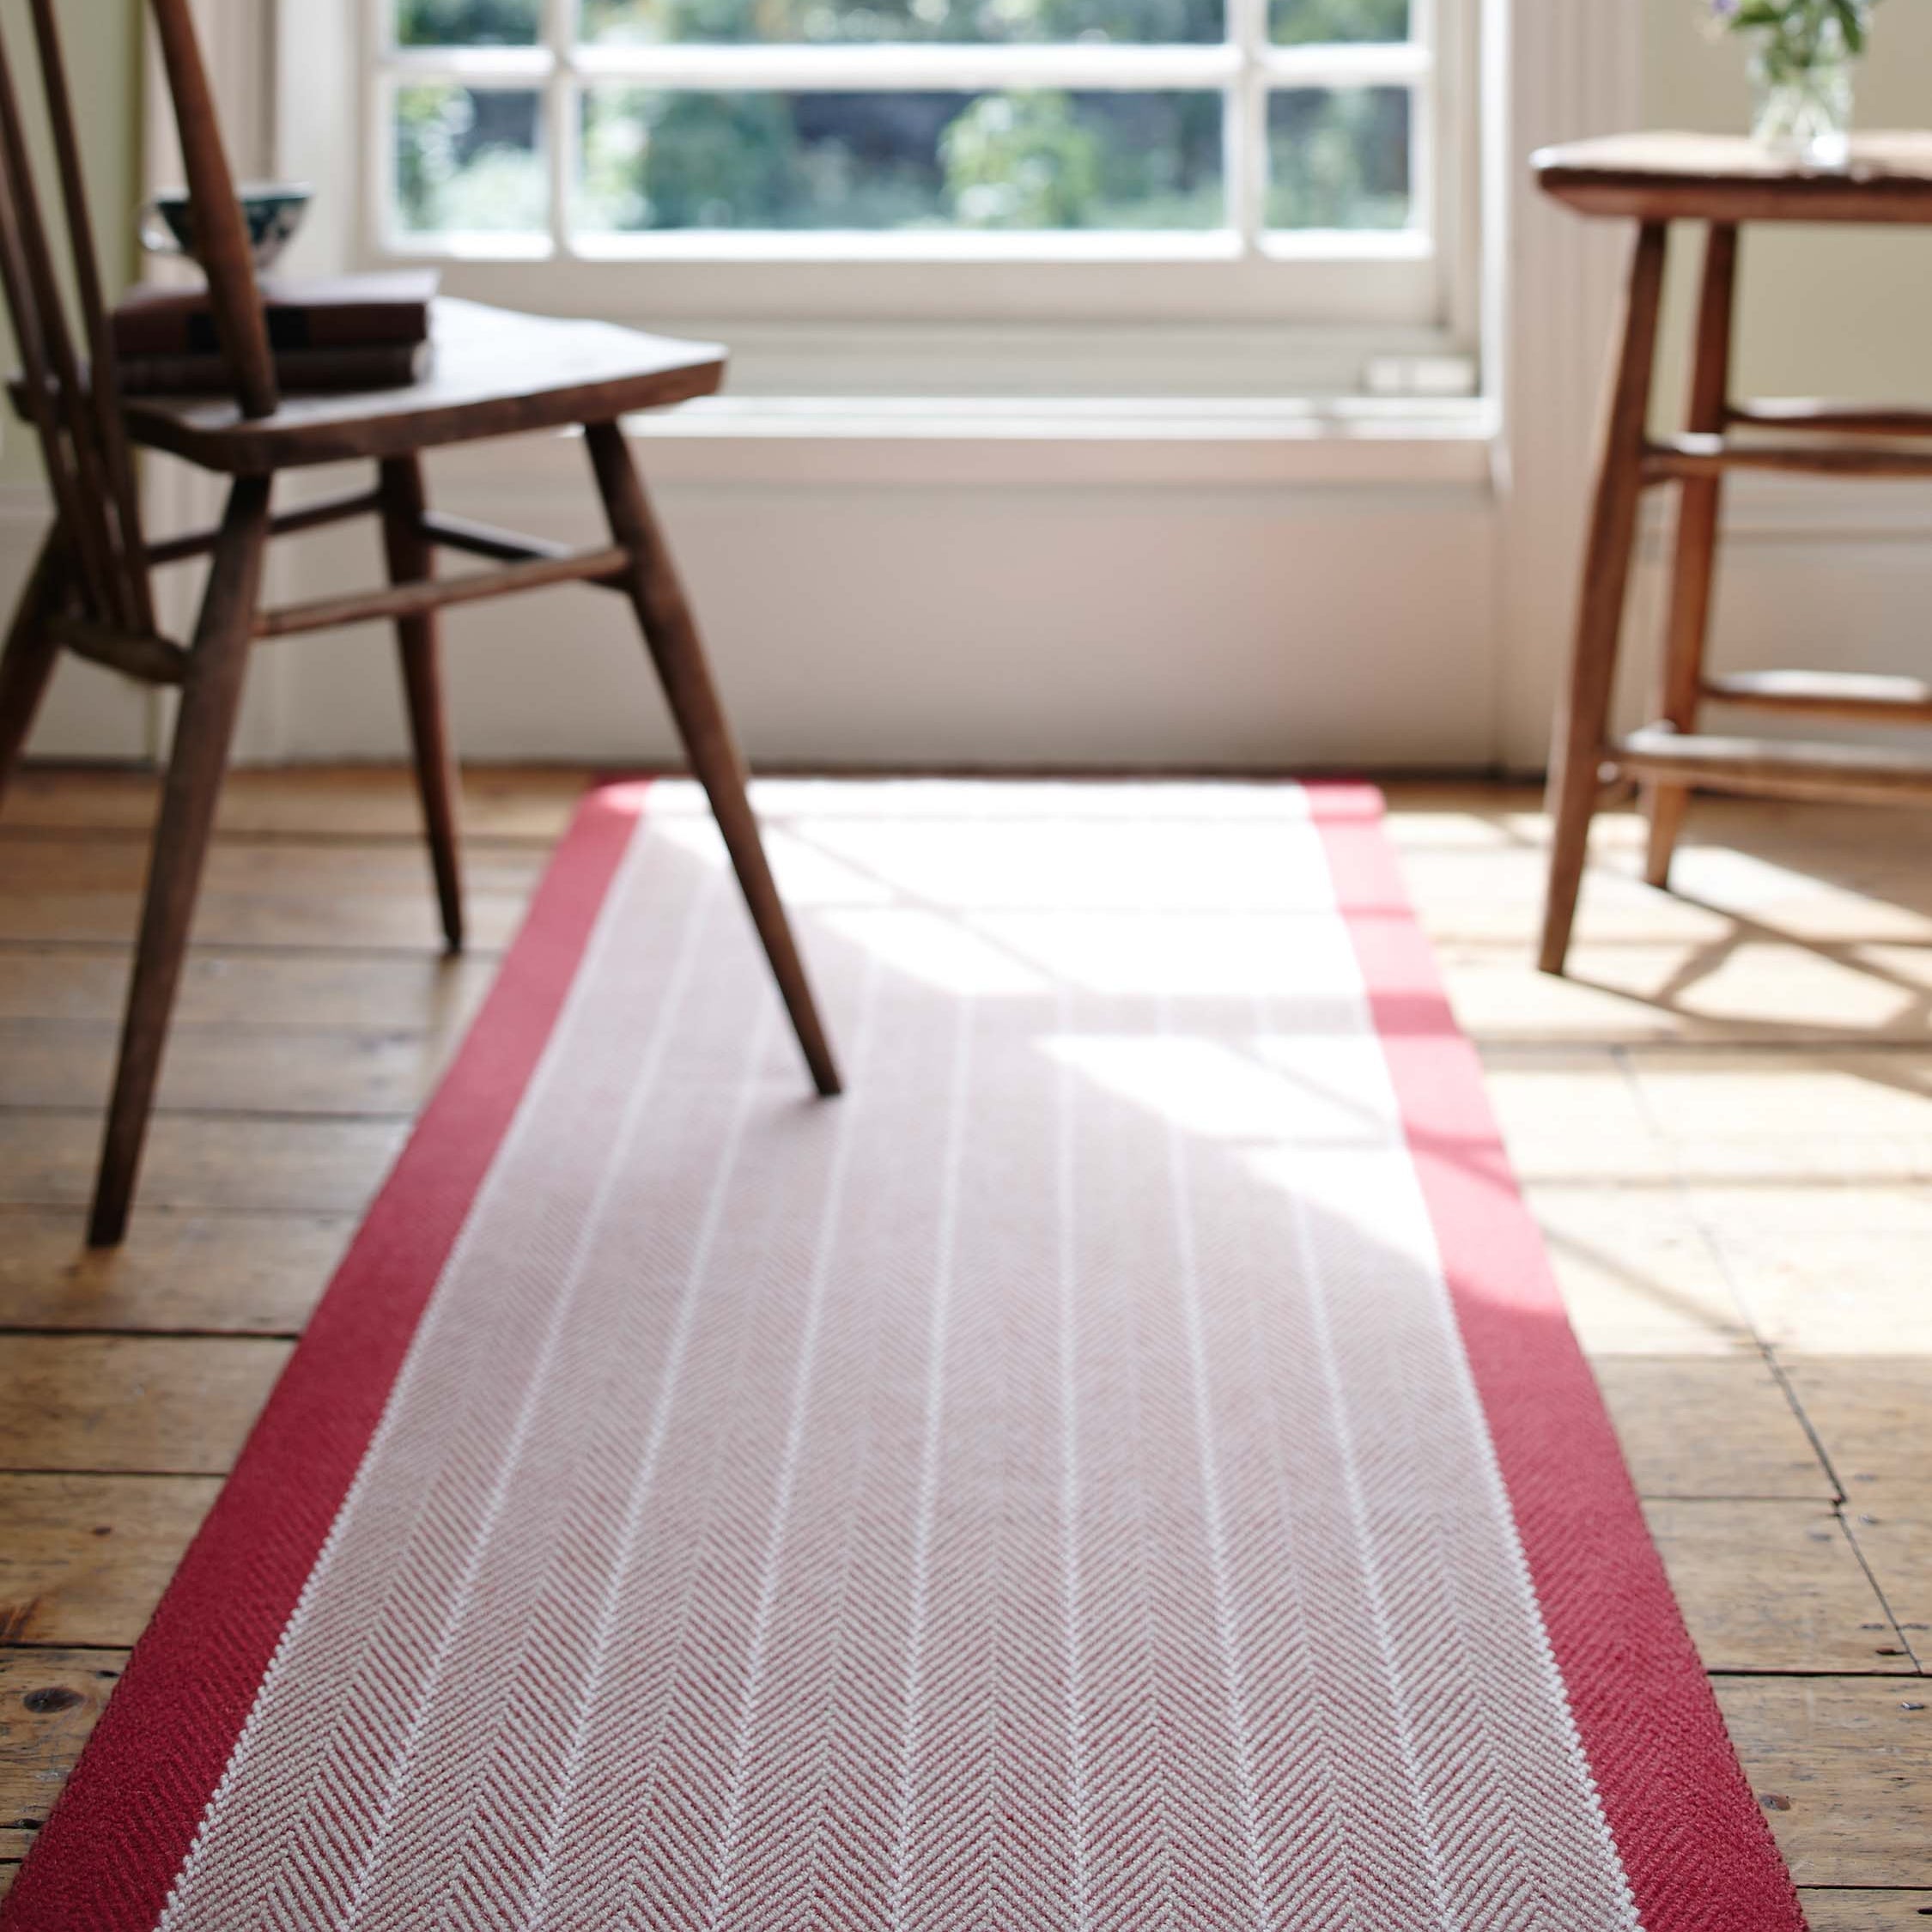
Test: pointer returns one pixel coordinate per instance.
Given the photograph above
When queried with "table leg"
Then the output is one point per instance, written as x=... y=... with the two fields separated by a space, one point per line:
x=1698 y=511
x=1577 y=744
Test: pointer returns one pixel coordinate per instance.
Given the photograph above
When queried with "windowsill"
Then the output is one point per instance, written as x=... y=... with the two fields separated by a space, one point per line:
x=1055 y=442
x=918 y=248
x=1127 y=403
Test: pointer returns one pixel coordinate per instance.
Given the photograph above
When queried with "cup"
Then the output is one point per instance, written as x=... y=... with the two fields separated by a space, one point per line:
x=272 y=210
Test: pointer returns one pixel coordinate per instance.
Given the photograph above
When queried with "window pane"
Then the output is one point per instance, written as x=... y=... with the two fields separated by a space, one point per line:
x=1338 y=158
x=466 y=23
x=1298 y=22
x=1099 y=23
x=657 y=161
x=469 y=160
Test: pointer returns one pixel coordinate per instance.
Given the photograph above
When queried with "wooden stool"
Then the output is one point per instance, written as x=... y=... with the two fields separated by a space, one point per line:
x=1655 y=179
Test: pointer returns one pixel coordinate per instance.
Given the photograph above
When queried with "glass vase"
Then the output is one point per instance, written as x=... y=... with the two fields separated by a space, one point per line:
x=1803 y=86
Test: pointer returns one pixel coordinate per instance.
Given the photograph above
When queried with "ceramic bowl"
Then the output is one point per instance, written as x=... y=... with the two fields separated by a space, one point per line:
x=273 y=211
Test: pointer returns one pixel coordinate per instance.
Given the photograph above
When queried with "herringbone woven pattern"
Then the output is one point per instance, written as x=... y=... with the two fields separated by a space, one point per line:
x=1044 y=1488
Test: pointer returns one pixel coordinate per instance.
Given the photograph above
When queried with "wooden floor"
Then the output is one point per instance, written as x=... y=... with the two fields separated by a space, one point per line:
x=1723 y=1122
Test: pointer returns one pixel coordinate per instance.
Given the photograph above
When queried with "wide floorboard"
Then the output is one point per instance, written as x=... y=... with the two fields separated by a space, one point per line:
x=1723 y=1119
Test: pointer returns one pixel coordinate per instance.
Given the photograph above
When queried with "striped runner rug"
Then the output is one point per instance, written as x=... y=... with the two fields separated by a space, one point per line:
x=1123 y=1466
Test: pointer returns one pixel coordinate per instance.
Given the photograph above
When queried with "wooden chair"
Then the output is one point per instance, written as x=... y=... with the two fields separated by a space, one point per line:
x=494 y=373
x=1722 y=183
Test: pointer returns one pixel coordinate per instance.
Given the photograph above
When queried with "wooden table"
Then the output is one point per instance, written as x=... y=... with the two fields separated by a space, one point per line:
x=1723 y=182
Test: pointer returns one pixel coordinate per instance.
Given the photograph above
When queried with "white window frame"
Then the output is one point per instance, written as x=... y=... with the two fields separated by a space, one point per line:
x=1413 y=291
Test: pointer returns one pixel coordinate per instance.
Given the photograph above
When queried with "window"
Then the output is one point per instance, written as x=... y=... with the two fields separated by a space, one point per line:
x=1157 y=159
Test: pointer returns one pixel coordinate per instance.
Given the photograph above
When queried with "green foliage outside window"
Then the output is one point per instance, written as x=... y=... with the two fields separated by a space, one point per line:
x=1338 y=158
x=1306 y=22
x=1021 y=161
x=470 y=159
x=777 y=22
x=452 y=23
x=467 y=161
x=1038 y=160
x=466 y=23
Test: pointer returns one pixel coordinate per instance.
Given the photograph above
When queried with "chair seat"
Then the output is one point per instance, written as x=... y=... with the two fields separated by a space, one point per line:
x=495 y=373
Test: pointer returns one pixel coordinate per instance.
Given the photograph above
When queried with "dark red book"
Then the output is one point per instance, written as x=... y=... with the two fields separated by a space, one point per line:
x=378 y=366
x=336 y=312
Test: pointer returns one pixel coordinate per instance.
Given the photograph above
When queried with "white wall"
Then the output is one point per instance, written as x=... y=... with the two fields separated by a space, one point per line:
x=936 y=623
x=890 y=606
x=1845 y=310
x=90 y=712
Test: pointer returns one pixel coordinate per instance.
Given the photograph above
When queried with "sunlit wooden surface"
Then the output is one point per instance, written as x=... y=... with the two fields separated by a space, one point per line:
x=1723 y=1119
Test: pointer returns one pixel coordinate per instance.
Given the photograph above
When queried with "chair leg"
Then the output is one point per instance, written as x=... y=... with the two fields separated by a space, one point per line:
x=26 y=664
x=1577 y=746
x=1699 y=509
x=672 y=638
x=412 y=558
x=210 y=700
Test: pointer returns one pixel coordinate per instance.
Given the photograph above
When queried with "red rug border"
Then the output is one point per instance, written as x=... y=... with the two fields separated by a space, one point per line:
x=1697 y=1850
x=115 y=1841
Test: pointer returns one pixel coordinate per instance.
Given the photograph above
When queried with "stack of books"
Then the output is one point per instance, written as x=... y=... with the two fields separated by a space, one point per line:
x=345 y=332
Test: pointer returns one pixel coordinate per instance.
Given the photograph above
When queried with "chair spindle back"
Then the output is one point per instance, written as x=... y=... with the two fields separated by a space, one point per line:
x=75 y=405
x=221 y=233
